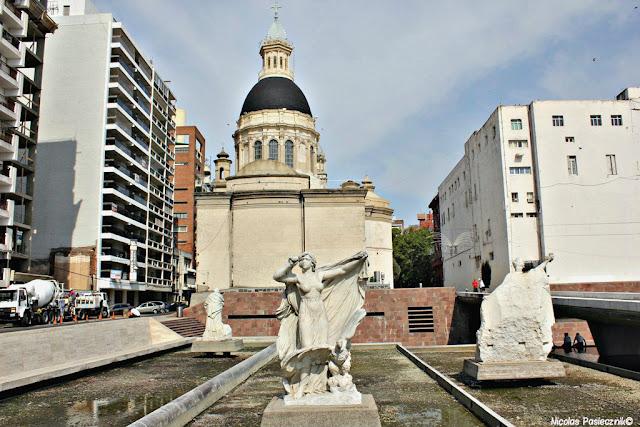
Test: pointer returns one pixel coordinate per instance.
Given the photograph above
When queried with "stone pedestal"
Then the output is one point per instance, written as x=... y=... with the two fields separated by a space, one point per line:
x=528 y=369
x=277 y=414
x=222 y=346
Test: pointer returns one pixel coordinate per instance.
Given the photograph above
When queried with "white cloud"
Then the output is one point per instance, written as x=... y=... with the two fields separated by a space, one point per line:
x=378 y=73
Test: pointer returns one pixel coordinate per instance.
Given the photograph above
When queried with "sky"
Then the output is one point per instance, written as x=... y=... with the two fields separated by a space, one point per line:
x=396 y=86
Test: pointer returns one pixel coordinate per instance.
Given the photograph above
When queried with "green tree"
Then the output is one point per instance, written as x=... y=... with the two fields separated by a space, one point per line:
x=412 y=257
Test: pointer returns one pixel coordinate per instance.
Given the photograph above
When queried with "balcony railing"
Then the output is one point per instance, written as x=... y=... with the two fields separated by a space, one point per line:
x=128 y=152
x=9 y=70
x=8 y=103
x=11 y=39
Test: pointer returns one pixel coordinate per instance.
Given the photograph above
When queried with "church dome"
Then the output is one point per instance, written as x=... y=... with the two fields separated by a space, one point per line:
x=273 y=93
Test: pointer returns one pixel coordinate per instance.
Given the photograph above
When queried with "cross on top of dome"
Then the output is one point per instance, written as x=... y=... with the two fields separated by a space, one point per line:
x=276 y=31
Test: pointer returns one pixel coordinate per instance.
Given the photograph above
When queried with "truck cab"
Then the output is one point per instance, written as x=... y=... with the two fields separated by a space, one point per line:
x=15 y=305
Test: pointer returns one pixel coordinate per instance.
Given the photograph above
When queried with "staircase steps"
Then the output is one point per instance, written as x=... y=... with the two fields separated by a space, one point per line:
x=185 y=326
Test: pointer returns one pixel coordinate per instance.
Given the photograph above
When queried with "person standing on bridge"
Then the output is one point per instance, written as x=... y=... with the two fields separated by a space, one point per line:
x=580 y=343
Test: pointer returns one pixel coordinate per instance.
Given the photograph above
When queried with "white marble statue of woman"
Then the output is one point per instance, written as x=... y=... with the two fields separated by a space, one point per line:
x=214 y=328
x=319 y=313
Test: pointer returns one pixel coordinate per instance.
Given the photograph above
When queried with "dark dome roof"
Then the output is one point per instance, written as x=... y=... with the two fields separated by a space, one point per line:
x=275 y=93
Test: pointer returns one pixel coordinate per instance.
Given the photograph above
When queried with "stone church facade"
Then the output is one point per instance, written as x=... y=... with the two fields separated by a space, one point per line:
x=277 y=203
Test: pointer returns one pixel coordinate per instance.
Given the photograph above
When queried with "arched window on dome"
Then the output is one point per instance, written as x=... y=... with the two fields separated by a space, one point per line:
x=221 y=173
x=288 y=153
x=257 y=150
x=273 y=150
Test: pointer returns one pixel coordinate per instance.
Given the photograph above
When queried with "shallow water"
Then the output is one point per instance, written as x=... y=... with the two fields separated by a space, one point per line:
x=583 y=392
x=114 y=397
x=404 y=394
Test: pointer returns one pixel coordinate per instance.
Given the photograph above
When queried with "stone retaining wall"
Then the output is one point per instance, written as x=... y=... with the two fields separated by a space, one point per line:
x=251 y=313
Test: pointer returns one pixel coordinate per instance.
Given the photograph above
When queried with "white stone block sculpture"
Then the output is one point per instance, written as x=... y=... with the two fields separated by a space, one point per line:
x=515 y=335
x=214 y=328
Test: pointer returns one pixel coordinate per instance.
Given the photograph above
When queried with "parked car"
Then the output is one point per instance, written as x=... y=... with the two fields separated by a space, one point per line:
x=164 y=306
x=120 y=308
x=154 y=307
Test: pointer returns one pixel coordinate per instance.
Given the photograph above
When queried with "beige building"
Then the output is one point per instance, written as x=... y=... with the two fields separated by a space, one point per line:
x=277 y=204
x=557 y=177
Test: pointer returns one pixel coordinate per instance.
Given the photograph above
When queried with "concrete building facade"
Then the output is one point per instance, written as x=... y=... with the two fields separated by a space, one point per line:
x=277 y=204
x=24 y=25
x=559 y=177
x=107 y=138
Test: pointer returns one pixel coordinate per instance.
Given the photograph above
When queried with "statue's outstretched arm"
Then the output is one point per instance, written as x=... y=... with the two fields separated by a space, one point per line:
x=543 y=264
x=284 y=274
x=345 y=268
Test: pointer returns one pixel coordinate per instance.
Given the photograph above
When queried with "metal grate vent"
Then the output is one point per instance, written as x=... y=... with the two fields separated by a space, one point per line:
x=420 y=319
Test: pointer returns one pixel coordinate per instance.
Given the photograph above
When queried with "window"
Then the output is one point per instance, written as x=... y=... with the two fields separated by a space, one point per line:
x=257 y=150
x=182 y=149
x=66 y=10
x=288 y=153
x=182 y=189
x=514 y=197
x=596 y=120
x=520 y=170
x=517 y=215
x=516 y=124
x=182 y=229
x=494 y=132
x=569 y=139
x=221 y=173
x=180 y=215
x=572 y=165
x=518 y=143
x=273 y=150
x=557 y=120
x=182 y=163
x=532 y=214
x=530 y=197
x=616 y=120
x=491 y=256
x=612 y=168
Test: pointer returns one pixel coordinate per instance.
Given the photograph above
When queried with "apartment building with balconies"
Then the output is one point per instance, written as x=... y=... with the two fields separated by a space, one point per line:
x=107 y=138
x=24 y=25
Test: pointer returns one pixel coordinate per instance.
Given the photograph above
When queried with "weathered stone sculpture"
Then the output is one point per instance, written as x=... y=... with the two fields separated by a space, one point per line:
x=515 y=327
x=320 y=311
x=217 y=335
x=214 y=328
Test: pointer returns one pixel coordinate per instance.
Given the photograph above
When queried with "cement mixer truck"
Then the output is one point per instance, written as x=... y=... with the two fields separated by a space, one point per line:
x=32 y=302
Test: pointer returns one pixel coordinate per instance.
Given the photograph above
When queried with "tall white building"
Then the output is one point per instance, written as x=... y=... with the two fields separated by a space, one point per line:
x=106 y=159
x=24 y=25
x=559 y=177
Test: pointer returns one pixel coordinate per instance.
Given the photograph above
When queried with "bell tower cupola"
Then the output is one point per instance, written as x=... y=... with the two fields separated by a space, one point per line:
x=276 y=50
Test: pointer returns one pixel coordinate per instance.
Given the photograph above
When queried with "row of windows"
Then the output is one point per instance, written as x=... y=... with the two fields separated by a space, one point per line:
x=595 y=119
x=610 y=164
x=520 y=170
x=273 y=151
x=515 y=198
x=521 y=215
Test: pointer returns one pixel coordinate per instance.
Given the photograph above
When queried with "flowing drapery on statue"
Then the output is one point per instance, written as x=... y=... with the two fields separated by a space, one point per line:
x=320 y=311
